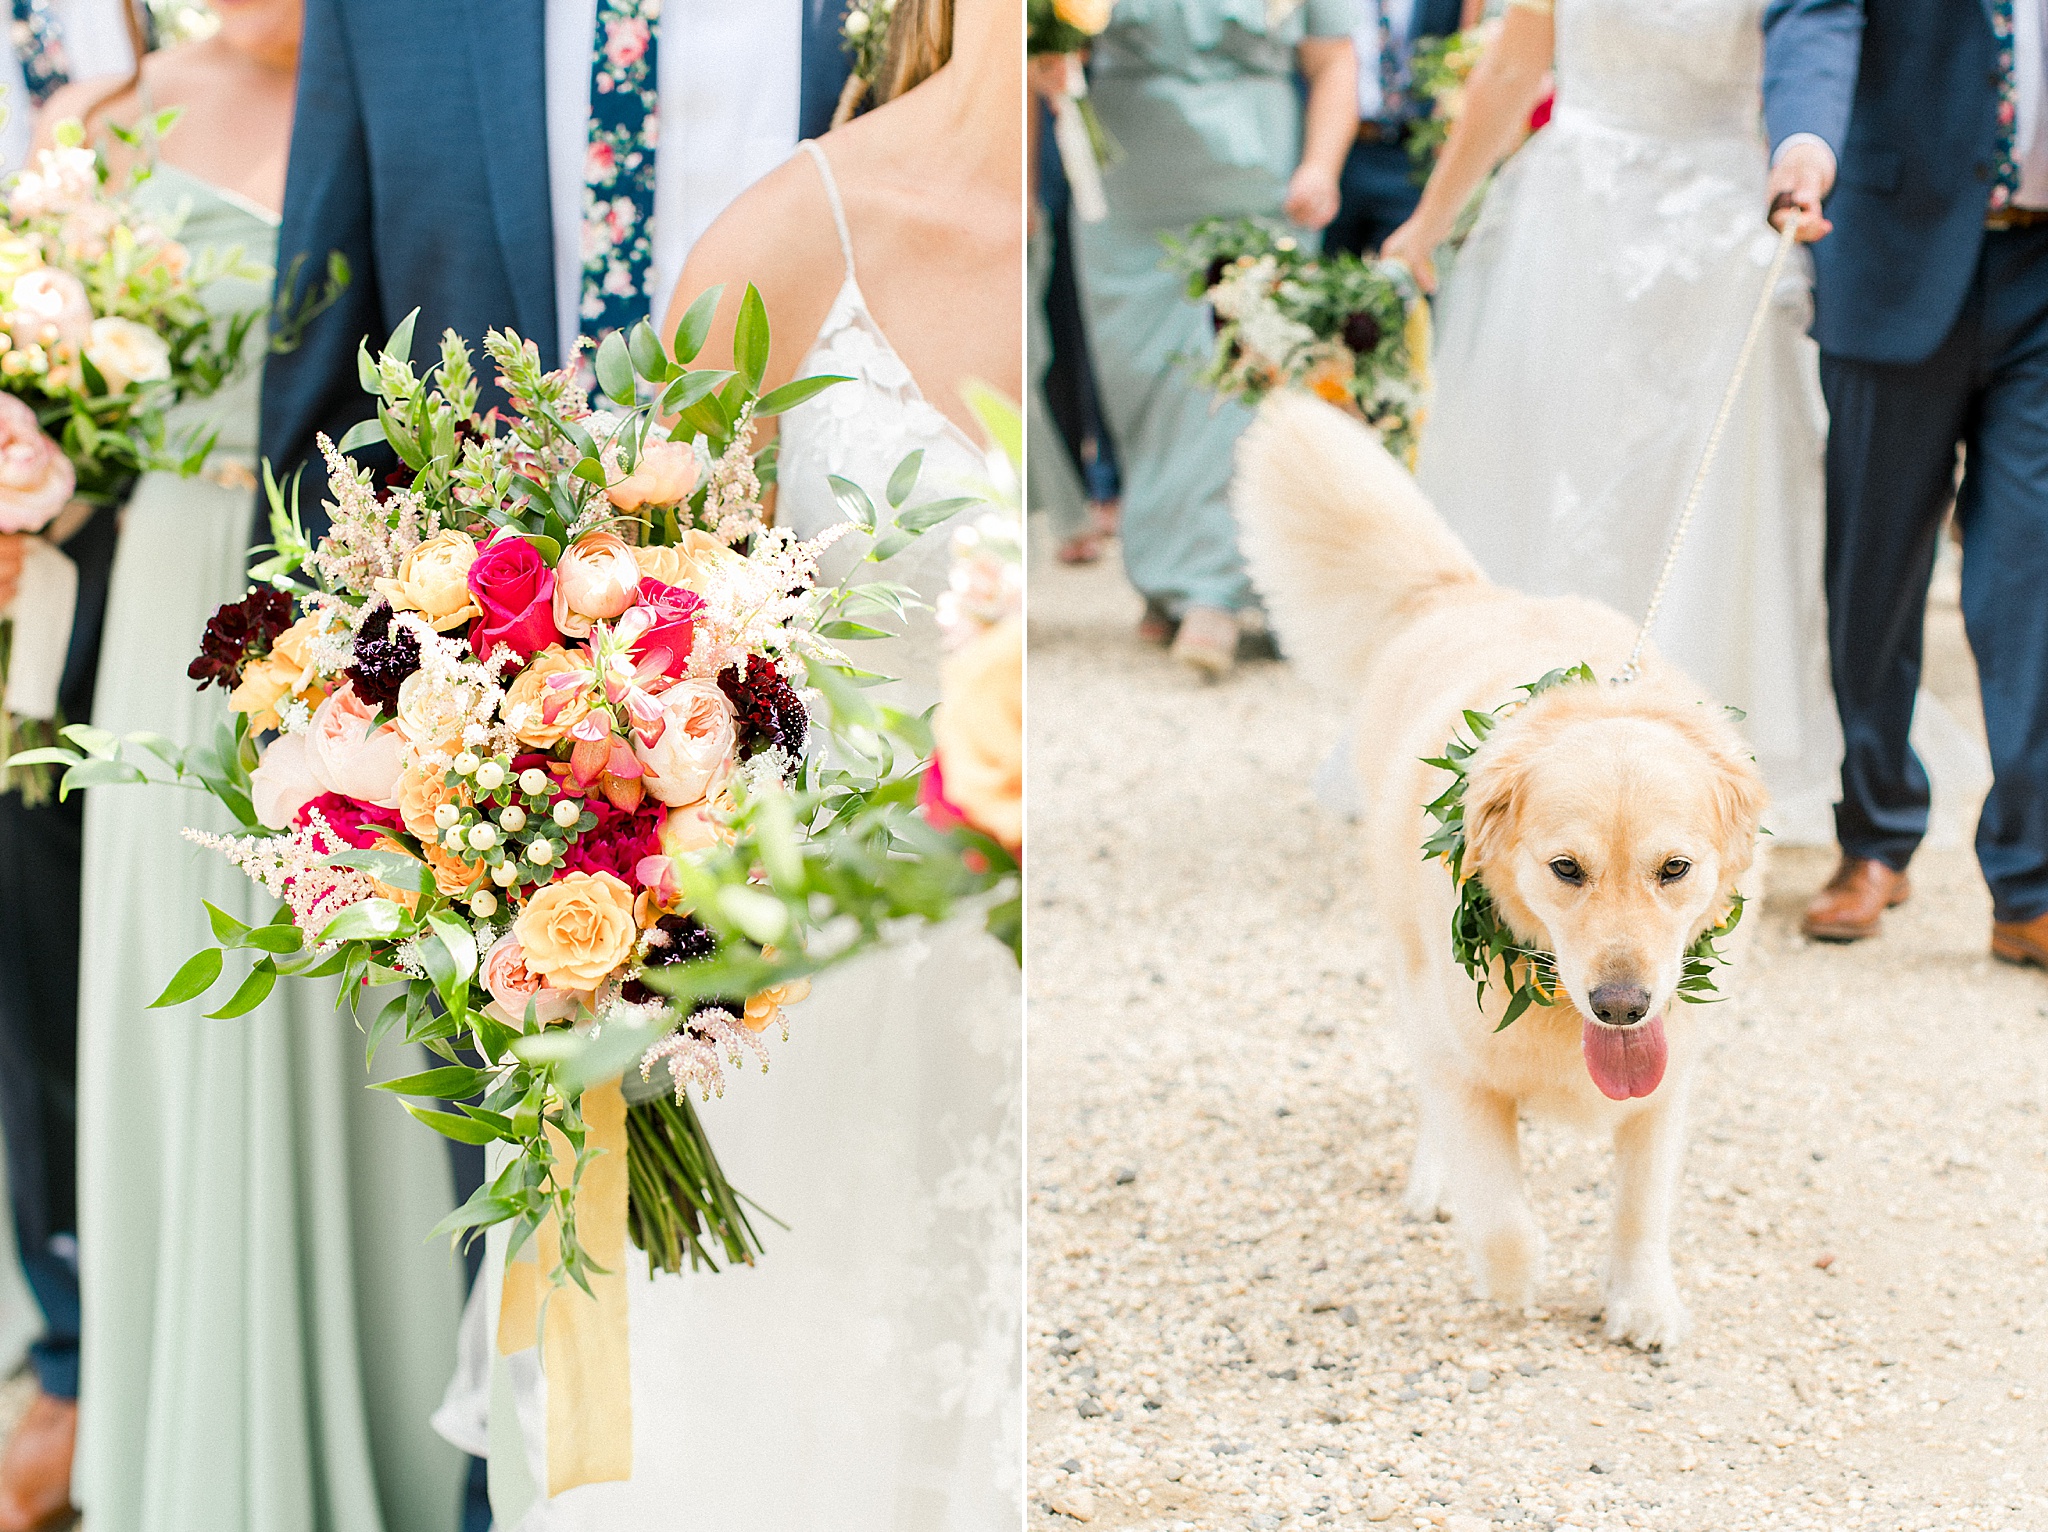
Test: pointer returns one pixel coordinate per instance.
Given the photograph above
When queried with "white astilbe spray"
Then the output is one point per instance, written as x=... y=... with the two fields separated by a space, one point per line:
x=294 y=868
x=732 y=490
x=698 y=1050
x=470 y=691
x=368 y=538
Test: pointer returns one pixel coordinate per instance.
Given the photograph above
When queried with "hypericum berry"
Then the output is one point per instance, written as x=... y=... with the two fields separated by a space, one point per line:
x=505 y=874
x=541 y=852
x=567 y=812
x=453 y=838
x=447 y=816
x=513 y=819
x=490 y=776
x=533 y=781
x=483 y=904
x=466 y=763
x=482 y=837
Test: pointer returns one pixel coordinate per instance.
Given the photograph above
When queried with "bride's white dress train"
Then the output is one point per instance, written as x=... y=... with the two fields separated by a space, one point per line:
x=1586 y=332
x=866 y=1376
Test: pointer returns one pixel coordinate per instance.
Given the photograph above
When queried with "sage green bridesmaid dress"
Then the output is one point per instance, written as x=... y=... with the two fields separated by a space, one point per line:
x=1201 y=95
x=267 y=1328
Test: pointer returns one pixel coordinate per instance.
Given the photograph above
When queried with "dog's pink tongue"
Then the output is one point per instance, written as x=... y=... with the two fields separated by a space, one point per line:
x=1625 y=1061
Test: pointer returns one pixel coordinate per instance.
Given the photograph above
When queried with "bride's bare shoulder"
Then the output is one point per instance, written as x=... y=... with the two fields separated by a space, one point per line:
x=778 y=234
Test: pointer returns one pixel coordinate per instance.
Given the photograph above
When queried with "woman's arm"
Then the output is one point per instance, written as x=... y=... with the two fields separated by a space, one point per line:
x=1504 y=89
x=1328 y=127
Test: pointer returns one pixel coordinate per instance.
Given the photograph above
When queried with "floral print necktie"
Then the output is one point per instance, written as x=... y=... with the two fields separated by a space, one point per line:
x=2005 y=170
x=40 y=47
x=1393 y=74
x=618 y=169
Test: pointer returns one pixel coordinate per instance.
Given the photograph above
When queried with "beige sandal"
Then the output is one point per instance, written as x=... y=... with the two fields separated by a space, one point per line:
x=1207 y=641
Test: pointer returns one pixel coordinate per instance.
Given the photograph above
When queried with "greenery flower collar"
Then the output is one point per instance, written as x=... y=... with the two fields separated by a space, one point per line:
x=1480 y=937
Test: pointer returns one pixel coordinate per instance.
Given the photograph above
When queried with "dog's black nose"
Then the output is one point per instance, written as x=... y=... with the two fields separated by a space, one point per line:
x=1620 y=1005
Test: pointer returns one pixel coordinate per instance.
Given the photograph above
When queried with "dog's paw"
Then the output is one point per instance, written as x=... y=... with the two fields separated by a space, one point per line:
x=1424 y=1199
x=1647 y=1314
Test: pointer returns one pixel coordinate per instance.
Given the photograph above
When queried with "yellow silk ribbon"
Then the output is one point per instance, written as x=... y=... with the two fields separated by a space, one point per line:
x=583 y=1335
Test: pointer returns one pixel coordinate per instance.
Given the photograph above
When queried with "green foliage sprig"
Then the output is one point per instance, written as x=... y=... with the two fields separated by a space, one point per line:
x=1480 y=938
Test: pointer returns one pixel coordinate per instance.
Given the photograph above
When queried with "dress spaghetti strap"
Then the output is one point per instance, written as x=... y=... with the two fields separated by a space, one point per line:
x=810 y=146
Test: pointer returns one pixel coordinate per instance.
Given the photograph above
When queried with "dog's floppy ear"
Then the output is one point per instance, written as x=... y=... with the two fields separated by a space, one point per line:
x=1739 y=793
x=1493 y=798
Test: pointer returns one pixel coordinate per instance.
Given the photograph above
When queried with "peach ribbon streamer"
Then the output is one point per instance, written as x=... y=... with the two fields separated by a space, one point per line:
x=583 y=1336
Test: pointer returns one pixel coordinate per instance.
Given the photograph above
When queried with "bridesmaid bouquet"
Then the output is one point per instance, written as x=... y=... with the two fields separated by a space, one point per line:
x=1063 y=29
x=976 y=775
x=1352 y=331
x=102 y=332
x=525 y=748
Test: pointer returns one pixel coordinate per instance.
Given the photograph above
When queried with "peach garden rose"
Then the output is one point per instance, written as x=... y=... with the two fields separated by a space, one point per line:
x=35 y=476
x=577 y=930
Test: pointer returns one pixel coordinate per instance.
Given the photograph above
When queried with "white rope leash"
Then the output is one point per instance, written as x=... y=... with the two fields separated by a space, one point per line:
x=1699 y=478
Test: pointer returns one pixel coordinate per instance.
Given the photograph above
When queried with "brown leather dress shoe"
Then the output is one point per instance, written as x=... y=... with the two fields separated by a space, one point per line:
x=35 y=1475
x=1854 y=901
x=2021 y=941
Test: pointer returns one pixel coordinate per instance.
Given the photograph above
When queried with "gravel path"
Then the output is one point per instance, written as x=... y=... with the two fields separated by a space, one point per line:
x=1233 y=1326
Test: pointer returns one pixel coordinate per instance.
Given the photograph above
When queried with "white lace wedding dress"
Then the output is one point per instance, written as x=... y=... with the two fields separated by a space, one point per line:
x=866 y=1376
x=1586 y=332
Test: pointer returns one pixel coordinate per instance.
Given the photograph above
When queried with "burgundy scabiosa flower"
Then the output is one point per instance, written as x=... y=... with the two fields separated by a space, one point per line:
x=769 y=711
x=240 y=632
x=671 y=940
x=1361 y=332
x=384 y=658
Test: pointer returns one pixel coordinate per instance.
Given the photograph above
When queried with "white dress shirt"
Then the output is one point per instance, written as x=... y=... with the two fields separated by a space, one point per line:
x=729 y=79
x=1365 y=37
x=95 y=44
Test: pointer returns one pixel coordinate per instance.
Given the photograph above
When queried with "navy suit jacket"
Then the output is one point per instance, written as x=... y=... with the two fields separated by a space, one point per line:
x=419 y=151
x=1906 y=94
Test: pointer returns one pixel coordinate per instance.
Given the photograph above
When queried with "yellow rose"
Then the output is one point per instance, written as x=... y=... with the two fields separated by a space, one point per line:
x=286 y=672
x=1089 y=16
x=577 y=931
x=433 y=580
x=978 y=732
x=691 y=564
x=524 y=707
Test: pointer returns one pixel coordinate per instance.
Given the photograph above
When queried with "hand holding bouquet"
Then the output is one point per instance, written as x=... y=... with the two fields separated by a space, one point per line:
x=1352 y=331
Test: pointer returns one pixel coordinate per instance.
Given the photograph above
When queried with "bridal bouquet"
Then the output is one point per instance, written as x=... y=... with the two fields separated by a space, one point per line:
x=524 y=747
x=976 y=775
x=102 y=331
x=1063 y=29
x=1352 y=331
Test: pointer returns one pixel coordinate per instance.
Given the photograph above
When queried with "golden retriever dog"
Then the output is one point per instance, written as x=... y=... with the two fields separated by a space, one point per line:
x=1609 y=823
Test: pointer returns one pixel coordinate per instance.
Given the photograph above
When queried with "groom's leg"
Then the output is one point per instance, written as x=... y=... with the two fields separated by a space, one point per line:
x=1891 y=457
x=2004 y=515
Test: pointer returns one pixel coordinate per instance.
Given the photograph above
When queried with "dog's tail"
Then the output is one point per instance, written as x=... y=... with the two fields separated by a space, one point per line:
x=1339 y=540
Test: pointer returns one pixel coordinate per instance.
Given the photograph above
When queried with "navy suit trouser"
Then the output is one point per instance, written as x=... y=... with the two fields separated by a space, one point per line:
x=1891 y=468
x=1377 y=193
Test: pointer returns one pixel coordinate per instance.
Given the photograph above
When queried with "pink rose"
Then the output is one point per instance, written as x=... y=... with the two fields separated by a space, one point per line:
x=665 y=475
x=595 y=579
x=695 y=750
x=349 y=756
x=513 y=985
x=35 y=476
x=691 y=829
x=360 y=824
x=283 y=782
x=516 y=590
x=663 y=627
x=46 y=306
